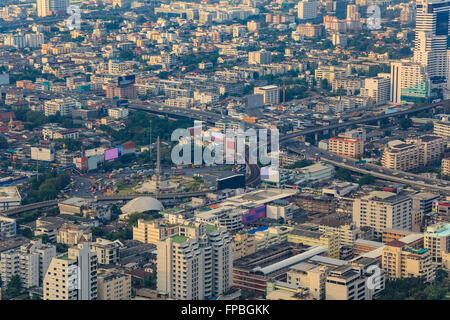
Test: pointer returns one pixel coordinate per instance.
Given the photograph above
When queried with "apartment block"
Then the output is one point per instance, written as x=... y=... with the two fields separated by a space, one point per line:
x=347 y=147
x=260 y=57
x=113 y=285
x=7 y=228
x=309 y=276
x=196 y=263
x=401 y=261
x=271 y=94
x=107 y=251
x=30 y=262
x=381 y=210
x=153 y=231
x=72 y=276
x=244 y=244
x=445 y=167
x=377 y=89
x=437 y=241
x=328 y=240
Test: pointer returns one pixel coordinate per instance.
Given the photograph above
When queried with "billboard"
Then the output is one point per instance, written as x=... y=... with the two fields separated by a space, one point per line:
x=111 y=154
x=254 y=214
x=234 y=182
x=126 y=80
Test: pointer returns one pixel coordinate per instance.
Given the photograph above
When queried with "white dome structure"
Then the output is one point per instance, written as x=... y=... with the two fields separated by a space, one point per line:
x=142 y=204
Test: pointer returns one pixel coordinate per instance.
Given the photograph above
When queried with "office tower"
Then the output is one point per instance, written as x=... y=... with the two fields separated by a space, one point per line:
x=7 y=228
x=30 y=263
x=432 y=30
x=196 y=263
x=409 y=82
x=307 y=9
x=48 y=7
x=437 y=241
x=401 y=261
x=380 y=210
x=72 y=276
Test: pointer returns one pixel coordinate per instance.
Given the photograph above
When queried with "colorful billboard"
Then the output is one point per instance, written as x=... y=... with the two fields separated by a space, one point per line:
x=111 y=154
x=254 y=215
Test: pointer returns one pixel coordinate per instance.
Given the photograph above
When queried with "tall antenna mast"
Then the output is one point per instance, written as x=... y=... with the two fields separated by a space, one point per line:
x=158 y=168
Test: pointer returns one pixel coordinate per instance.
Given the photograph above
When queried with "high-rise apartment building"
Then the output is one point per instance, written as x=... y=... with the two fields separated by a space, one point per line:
x=113 y=285
x=307 y=9
x=409 y=82
x=72 y=276
x=401 y=261
x=437 y=241
x=49 y=7
x=345 y=146
x=196 y=263
x=63 y=106
x=378 y=89
x=381 y=210
x=271 y=94
x=413 y=153
x=260 y=57
x=30 y=263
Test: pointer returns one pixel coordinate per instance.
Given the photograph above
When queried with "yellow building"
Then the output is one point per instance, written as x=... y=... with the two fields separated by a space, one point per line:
x=401 y=261
x=347 y=147
x=271 y=236
x=437 y=240
x=113 y=285
x=153 y=231
x=328 y=240
x=445 y=167
x=244 y=244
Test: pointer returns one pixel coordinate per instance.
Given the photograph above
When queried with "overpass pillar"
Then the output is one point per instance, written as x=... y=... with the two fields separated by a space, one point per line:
x=379 y=123
x=333 y=132
x=316 y=137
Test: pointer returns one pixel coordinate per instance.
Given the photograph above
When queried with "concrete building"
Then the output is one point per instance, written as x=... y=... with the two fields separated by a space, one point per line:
x=43 y=154
x=307 y=9
x=445 y=167
x=153 y=231
x=271 y=94
x=378 y=89
x=309 y=276
x=113 y=285
x=72 y=276
x=401 y=261
x=442 y=128
x=196 y=263
x=414 y=153
x=437 y=241
x=71 y=234
x=244 y=244
x=409 y=82
x=63 y=106
x=259 y=57
x=347 y=147
x=107 y=251
x=380 y=210
x=327 y=240
x=30 y=262
x=118 y=113
x=9 y=198
x=49 y=7
x=7 y=228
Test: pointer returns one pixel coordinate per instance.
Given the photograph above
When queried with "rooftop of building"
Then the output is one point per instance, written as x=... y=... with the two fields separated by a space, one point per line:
x=10 y=194
x=439 y=230
x=179 y=239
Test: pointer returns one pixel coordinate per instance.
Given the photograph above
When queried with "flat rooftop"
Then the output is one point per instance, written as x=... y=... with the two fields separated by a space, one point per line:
x=9 y=194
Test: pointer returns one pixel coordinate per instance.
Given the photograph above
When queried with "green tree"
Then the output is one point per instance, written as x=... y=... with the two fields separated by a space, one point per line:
x=14 y=286
x=366 y=179
x=405 y=123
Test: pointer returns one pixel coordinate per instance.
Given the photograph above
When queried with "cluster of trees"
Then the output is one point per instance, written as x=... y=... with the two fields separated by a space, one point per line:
x=138 y=129
x=300 y=164
x=46 y=186
x=417 y=289
x=35 y=119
